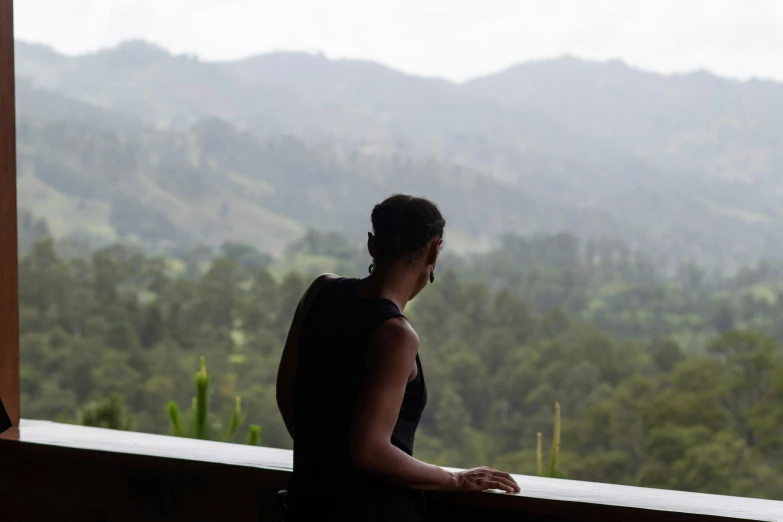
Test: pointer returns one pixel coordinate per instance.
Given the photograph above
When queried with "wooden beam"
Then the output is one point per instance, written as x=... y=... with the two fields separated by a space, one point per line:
x=9 y=263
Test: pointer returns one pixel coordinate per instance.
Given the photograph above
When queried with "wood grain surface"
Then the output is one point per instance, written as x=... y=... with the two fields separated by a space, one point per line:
x=9 y=307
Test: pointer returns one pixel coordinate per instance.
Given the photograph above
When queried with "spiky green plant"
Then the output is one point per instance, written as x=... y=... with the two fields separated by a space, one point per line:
x=254 y=437
x=553 y=462
x=540 y=455
x=198 y=424
x=108 y=413
x=201 y=404
x=554 y=459
x=236 y=420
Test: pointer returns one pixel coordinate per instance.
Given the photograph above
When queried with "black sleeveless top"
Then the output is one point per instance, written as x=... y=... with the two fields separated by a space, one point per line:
x=331 y=371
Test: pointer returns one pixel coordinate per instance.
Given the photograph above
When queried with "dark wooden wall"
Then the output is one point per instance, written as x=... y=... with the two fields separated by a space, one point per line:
x=9 y=313
x=50 y=484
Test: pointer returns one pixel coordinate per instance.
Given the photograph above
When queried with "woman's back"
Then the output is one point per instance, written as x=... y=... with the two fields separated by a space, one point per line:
x=330 y=375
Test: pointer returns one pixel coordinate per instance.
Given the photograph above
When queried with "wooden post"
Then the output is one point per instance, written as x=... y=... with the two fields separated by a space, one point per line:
x=9 y=262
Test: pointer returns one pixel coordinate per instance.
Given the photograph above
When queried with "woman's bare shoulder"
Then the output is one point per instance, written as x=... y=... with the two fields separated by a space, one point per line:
x=395 y=338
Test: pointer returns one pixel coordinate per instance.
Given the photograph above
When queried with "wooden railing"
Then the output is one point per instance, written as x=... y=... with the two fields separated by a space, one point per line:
x=65 y=472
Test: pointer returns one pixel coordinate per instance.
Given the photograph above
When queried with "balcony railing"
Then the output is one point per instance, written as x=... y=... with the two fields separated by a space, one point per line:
x=64 y=472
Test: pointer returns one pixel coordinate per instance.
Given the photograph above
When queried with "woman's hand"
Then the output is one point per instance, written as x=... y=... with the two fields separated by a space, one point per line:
x=484 y=478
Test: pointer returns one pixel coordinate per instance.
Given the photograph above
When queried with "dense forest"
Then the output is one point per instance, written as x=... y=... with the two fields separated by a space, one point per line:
x=670 y=380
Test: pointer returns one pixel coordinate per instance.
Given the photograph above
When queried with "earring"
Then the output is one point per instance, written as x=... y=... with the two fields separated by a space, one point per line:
x=371 y=267
x=432 y=275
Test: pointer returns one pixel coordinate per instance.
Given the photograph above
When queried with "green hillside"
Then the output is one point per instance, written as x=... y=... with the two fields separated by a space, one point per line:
x=213 y=184
x=134 y=142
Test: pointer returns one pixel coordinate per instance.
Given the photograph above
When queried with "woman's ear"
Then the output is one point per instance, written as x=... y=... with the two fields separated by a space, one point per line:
x=434 y=250
x=371 y=244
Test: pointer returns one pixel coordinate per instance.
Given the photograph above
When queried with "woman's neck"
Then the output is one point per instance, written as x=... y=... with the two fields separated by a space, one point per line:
x=395 y=282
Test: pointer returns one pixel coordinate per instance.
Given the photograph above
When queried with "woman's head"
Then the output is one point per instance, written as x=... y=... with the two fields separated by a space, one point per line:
x=406 y=228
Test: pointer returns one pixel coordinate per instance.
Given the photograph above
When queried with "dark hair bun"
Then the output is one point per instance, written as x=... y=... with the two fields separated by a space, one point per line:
x=405 y=224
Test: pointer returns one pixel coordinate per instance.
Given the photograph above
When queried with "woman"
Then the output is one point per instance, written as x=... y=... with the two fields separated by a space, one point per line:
x=350 y=386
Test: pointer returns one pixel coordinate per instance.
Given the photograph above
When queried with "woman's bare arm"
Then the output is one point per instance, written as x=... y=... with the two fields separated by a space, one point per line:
x=392 y=353
x=286 y=372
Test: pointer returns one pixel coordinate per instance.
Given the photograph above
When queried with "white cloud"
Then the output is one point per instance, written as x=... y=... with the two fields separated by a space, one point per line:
x=450 y=38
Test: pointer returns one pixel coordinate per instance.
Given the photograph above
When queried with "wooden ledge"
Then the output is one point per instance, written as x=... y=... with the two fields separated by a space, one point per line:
x=558 y=499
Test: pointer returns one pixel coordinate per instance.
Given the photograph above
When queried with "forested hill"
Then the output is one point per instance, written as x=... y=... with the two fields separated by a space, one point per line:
x=685 y=165
x=214 y=183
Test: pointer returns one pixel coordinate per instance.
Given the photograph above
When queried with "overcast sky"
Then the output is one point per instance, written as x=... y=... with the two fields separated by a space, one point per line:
x=454 y=39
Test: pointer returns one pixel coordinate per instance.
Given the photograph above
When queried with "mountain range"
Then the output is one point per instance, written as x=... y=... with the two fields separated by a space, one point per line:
x=135 y=142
